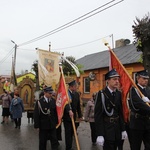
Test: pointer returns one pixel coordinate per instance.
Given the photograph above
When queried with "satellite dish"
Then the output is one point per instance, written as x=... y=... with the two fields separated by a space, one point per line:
x=126 y=41
x=92 y=76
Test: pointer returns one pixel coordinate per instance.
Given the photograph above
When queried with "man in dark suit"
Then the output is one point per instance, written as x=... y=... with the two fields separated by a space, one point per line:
x=140 y=113
x=70 y=111
x=45 y=119
x=109 y=122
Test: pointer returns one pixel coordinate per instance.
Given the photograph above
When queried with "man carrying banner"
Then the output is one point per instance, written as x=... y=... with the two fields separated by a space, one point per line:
x=109 y=121
x=70 y=111
x=140 y=113
x=45 y=119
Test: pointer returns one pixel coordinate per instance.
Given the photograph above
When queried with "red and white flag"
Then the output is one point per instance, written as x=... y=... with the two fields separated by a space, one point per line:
x=62 y=98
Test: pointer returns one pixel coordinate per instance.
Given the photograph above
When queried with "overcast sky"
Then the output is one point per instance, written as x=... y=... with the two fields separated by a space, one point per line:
x=24 y=20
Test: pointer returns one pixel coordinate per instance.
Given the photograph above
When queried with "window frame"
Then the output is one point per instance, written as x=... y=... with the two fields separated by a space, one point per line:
x=85 y=83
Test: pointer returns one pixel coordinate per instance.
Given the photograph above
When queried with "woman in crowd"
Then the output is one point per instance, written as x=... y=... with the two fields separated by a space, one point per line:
x=6 y=100
x=16 y=108
x=89 y=116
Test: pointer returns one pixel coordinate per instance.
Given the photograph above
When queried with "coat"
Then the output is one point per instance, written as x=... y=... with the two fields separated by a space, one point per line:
x=42 y=120
x=6 y=100
x=109 y=130
x=141 y=108
x=74 y=106
x=89 y=112
x=16 y=108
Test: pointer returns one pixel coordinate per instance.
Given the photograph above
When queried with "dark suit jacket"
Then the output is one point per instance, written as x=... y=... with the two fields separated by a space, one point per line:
x=74 y=106
x=43 y=121
x=141 y=108
x=110 y=131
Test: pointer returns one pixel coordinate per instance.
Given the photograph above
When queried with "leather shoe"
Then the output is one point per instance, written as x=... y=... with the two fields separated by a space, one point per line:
x=2 y=122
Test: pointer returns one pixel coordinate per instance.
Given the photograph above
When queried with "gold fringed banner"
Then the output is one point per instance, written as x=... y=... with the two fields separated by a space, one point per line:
x=48 y=67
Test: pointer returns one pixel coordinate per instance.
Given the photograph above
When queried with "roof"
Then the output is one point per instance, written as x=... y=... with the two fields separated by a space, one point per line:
x=126 y=54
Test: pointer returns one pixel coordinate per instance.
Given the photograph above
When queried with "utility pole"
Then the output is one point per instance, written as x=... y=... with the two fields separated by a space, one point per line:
x=14 y=63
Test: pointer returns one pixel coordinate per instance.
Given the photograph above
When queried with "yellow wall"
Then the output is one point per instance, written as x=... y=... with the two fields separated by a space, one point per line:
x=30 y=75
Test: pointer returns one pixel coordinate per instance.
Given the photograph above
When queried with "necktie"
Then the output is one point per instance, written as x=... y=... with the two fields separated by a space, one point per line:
x=113 y=95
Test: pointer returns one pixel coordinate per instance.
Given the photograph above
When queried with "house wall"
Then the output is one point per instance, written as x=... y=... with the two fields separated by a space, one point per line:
x=99 y=82
x=30 y=75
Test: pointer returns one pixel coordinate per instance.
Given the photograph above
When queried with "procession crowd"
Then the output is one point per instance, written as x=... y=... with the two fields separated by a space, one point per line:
x=104 y=112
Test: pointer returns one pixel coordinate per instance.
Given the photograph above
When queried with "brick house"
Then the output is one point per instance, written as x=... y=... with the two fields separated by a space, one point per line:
x=97 y=64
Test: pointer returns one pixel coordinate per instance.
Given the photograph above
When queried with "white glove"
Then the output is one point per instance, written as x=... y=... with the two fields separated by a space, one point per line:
x=100 y=140
x=145 y=99
x=124 y=135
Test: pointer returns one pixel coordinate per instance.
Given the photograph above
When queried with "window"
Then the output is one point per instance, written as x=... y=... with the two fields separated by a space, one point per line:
x=86 y=85
x=134 y=77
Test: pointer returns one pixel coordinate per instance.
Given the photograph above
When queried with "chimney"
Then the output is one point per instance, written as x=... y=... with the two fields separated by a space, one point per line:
x=121 y=42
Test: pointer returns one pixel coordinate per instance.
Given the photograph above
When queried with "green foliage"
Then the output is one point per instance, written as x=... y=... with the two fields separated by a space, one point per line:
x=67 y=69
x=80 y=68
x=141 y=31
x=141 y=58
x=35 y=67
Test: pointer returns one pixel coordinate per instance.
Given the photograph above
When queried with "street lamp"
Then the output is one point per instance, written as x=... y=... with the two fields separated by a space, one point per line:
x=14 y=53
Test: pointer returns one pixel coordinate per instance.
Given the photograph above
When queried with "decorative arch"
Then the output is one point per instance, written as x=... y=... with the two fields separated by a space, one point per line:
x=26 y=90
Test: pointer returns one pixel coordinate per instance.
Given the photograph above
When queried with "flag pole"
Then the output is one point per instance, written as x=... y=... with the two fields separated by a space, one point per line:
x=106 y=44
x=72 y=119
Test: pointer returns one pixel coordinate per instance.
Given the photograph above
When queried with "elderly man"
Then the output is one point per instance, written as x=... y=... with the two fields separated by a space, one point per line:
x=45 y=119
x=140 y=113
x=109 y=122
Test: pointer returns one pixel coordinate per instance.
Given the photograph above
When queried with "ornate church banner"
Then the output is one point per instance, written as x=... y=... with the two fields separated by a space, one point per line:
x=48 y=67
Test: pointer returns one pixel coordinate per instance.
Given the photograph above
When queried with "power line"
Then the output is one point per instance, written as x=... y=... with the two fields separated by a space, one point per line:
x=7 y=55
x=67 y=25
x=73 y=22
x=81 y=44
x=86 y=43
x=63 y=26
x=11 y=51
x=25 y=49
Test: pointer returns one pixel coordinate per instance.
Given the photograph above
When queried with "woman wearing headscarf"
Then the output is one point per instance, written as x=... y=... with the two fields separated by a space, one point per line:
x=16 y=108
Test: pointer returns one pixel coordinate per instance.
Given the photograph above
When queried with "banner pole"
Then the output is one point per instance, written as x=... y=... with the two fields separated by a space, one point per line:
x=72 y=119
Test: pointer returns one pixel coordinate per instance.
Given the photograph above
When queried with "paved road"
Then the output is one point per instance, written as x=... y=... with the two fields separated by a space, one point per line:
x=27 y=138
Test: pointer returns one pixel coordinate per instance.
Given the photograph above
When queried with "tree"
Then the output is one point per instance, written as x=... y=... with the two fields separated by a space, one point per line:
x=35 y=69
x=141 y=31
x=67 y=69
